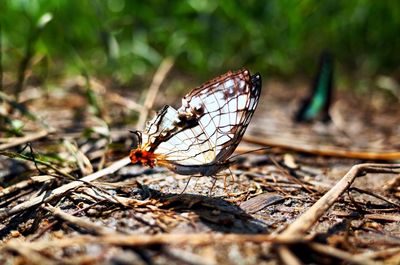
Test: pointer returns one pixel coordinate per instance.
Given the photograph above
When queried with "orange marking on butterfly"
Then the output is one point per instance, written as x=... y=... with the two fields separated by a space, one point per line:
x=143 y=157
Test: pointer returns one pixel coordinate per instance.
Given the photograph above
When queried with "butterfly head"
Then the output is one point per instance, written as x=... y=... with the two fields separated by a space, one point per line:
x=143 y=157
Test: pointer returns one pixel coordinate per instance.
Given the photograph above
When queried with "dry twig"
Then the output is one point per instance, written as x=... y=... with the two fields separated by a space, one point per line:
x=80 y=222
x=4 y=213
x=23 y=140
x=340 y=254
x=125 y=102
x=302 y=224
x=158 y=78
x=195 y=239
x=322 y=150
x=23 y=185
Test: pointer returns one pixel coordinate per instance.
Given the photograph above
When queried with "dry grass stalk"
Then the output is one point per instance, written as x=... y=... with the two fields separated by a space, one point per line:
x=158 y=78
x=23 y=140
x=60 y=191
x=293 y=145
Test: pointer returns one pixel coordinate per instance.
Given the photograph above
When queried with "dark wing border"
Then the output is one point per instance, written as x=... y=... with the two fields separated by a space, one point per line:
x=209 y=85
x=255 y=92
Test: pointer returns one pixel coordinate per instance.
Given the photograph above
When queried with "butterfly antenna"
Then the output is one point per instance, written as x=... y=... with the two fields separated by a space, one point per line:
x=138 y=135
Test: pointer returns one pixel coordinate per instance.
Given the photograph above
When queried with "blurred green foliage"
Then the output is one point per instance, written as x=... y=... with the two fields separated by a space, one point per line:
x=123 y=39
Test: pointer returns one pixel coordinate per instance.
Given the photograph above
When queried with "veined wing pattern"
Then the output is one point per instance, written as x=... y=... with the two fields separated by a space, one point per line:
x=200 y=136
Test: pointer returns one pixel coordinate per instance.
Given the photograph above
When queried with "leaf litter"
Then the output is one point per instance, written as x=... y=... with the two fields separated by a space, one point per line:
x=315 y=196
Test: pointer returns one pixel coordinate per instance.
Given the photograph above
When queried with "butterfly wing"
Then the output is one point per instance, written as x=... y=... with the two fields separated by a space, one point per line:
x=210 y=123
x=162 y=122
x=224 y=107
x=319 y=99
x=175 y=136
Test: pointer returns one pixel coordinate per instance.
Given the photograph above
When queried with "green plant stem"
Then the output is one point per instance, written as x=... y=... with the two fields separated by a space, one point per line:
x=24 y=65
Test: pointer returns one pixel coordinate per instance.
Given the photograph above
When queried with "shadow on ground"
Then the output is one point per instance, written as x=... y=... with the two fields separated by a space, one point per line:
x=218 y=214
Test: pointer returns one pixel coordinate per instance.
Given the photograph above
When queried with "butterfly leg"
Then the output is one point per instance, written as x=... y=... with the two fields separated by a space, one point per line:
x=231 y=174
x=225 y=180
x=232 y=177
x=212 y=186
x=225 y=176
x=187 y=184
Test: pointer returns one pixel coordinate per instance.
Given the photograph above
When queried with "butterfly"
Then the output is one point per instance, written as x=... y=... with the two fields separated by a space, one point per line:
x=200 y=136
x=318 y=102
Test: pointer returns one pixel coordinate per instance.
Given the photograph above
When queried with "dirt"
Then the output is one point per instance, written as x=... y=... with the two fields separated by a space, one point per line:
x=262 y=194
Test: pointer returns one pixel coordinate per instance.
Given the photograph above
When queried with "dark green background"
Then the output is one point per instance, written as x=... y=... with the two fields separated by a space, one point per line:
x=124 y=39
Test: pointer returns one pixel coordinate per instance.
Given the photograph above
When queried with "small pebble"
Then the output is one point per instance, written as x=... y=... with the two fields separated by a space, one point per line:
x=15 y=233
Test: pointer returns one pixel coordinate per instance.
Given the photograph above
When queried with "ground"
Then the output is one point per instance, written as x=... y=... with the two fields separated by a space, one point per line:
x=138 y=215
